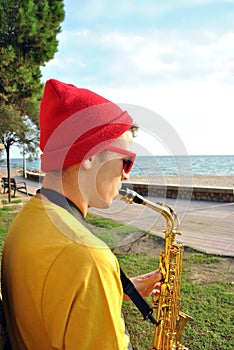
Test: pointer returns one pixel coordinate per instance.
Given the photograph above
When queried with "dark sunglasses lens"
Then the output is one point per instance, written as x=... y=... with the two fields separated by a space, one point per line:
x=127 y=165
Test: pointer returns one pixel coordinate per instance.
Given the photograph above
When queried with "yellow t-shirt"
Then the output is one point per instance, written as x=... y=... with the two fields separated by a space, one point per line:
x=61 y=286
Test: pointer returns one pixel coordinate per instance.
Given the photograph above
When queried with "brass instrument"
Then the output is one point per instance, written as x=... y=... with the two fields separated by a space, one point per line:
x=170 y=321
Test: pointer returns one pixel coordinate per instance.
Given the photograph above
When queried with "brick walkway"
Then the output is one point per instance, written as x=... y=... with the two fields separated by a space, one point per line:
x=205 y=226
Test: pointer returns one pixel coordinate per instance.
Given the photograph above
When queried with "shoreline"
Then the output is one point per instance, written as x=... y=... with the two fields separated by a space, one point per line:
x=191 y=181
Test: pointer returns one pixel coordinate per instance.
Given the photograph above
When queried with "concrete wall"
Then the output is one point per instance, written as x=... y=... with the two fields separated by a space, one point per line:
x=171 y=191
x=174 y=191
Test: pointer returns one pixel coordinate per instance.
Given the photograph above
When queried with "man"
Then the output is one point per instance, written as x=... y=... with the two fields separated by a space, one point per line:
x=61 y=284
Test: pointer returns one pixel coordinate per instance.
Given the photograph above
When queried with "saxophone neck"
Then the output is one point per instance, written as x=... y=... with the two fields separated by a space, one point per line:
x=165 y=210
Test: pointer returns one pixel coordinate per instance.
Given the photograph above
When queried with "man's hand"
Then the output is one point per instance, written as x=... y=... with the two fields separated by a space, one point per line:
x=148 y=284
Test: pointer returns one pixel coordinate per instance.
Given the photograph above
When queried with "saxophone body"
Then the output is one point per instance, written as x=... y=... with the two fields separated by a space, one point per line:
x=170 y=321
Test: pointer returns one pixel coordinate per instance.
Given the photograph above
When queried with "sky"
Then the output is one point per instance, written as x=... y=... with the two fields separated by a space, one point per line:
x=171 y=61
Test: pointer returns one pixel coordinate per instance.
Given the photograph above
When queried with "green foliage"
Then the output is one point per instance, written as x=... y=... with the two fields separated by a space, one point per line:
x=6 y=217
x=212 y=307
x=202 y=259
x=211 y=304
x=28 y=30
x=138 y=264
x=15 y=201
x=16 y=128
x=110 y=231
x=19 y=79
x=102 y=222
x=31 y=27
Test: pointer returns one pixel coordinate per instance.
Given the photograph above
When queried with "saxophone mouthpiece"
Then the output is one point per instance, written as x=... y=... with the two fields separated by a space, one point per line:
x=122 y=192
x=130 y=196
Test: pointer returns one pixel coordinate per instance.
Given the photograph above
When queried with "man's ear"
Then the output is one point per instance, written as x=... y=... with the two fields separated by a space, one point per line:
x=88 y=163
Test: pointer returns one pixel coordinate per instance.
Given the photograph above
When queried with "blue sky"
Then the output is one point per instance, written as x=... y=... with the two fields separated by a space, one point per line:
x=173 y=57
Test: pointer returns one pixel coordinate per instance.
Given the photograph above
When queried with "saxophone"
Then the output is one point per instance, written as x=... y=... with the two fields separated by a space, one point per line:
x=170 y=321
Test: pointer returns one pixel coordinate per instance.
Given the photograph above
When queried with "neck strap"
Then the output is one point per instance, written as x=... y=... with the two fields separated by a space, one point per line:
x=62 y=201
x=128 y=287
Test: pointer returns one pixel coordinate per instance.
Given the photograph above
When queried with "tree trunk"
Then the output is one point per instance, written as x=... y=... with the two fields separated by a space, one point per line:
x=8 y=171
x=24 y=165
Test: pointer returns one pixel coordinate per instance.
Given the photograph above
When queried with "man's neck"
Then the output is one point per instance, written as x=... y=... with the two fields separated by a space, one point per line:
x=66 y=184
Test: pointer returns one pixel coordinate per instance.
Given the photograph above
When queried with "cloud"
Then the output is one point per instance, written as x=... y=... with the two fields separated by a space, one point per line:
x=202 y=2
x=154 y=57
x=200 y=112
x=105 y=10
x=93 y=10
x=174 y=57
x=139 y=15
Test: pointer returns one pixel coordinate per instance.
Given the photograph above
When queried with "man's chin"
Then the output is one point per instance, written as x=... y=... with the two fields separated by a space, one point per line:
x=108 y=203
x=105 y=204
x=119 y=187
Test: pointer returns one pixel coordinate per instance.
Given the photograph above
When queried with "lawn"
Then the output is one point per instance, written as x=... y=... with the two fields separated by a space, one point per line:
x=207 y=290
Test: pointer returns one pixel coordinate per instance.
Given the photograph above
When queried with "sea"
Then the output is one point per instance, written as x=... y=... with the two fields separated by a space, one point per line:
x=195 y=165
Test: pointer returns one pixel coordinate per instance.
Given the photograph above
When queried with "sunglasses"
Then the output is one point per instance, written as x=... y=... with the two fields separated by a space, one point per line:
x=127 y=163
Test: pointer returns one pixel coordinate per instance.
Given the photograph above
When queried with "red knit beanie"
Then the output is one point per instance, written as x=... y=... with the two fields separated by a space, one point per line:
x=76 y=124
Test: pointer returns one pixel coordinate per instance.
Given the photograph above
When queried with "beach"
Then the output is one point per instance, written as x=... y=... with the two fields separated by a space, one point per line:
x=194 y=181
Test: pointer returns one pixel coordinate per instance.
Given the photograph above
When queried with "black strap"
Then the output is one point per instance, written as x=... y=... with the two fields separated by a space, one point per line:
x=137 y=299
x=62 y=201
x=128 y=287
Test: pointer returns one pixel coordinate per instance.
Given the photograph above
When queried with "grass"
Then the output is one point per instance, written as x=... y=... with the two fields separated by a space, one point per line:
x=210 y=302
x=14 y=201
x=111 y=232
x=211 y=305
x=7 y=214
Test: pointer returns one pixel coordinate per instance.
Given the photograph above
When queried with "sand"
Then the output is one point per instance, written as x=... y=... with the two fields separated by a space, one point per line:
x=198 y=181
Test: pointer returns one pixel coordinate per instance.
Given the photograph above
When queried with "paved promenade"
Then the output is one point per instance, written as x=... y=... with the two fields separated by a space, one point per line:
x=205 y=226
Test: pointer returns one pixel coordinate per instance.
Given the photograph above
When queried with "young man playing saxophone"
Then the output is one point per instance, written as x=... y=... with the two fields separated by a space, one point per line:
x=61 y=285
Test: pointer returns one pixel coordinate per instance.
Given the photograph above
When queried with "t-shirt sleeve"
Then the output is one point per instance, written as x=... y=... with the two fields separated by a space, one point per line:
x=82 y=299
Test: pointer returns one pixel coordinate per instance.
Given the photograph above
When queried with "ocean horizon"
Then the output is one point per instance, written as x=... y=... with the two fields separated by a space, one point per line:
x=195 y=165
